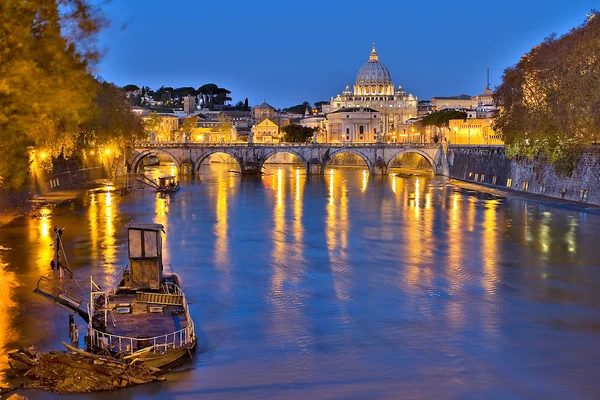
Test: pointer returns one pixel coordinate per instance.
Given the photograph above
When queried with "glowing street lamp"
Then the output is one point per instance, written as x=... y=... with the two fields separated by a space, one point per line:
x=43 y=156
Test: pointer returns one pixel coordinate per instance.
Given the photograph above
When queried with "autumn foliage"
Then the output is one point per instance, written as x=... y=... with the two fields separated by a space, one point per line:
x=49 y=101
x=550 y=100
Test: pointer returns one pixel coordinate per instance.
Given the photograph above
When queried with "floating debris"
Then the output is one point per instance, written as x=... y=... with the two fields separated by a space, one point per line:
x=77 y=371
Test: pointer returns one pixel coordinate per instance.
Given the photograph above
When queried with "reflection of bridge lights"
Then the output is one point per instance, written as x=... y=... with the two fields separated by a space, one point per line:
x=331 y=172
x=364 y=181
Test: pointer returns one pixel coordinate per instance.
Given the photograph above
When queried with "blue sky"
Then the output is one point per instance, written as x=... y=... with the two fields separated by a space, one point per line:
x=289 y=52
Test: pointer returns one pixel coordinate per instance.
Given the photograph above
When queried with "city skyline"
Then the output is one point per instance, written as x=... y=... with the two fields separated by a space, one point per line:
x=257 y=55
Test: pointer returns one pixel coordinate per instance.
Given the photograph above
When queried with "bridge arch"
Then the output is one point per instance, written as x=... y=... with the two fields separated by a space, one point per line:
x=135 y=163
x=390 y=158
x=369 y=163
x=271 y=152
x=202 y=157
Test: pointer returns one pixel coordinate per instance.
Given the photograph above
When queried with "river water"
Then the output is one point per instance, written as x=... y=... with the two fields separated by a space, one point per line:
x=345 y=286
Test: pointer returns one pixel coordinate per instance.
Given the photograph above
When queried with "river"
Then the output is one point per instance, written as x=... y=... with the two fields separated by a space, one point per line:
x=346 y=286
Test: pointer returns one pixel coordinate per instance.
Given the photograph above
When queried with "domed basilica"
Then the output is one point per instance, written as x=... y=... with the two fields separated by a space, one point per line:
x=374 y=89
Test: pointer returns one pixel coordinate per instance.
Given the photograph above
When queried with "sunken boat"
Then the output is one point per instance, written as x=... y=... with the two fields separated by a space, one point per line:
x=145 y=318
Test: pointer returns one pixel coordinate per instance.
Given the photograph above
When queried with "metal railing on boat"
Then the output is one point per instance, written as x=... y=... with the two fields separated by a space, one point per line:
x=129 y=345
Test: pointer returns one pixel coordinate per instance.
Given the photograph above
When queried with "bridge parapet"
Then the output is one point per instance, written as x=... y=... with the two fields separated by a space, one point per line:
x=251 y=157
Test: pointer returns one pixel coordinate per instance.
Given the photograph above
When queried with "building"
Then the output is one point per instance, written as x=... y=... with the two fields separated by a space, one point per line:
x=263 y=111
x=473 y=131
x=189 y=104
x=161 y=127
x=464 y=101
x=353 y=124
x=374 y=89
x=266 y=131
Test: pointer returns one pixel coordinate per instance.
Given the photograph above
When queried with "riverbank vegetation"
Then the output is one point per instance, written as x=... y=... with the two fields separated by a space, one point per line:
x=550 y=100
x=50 y=104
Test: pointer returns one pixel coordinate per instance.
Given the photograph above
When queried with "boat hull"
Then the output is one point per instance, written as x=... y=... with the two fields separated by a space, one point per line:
x=169 y=359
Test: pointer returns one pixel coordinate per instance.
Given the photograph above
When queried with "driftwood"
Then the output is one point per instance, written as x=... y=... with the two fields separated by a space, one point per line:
x=77 y=371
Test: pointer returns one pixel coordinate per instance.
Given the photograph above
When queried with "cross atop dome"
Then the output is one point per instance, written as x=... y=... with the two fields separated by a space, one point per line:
x=373 y=56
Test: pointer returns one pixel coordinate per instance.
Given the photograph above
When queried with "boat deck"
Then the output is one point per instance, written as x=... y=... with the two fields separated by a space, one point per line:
x=140 y=322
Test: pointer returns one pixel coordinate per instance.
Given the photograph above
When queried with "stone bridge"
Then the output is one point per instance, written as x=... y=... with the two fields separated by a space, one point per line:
x=189 y=156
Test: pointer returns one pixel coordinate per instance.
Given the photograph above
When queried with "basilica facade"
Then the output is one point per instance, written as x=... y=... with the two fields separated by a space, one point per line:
x=374 y=89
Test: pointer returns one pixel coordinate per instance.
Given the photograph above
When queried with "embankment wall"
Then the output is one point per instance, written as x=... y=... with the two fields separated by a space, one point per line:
x=489 y=165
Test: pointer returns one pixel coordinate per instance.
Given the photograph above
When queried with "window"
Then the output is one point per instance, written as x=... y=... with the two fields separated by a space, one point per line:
x=375 y=116
x=347 y=116
x=583 y=195
x=482 y=178
x=509 y=182
x=476 y=177
x=348 y=137
x=347 y=131
x=525 y=186
x=361 y=137
x=361 y=130
x=470 y=175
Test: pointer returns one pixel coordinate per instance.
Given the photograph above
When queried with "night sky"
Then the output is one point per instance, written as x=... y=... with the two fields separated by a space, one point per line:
x=288 y=52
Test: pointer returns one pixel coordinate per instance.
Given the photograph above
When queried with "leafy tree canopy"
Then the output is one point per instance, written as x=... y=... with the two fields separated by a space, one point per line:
x=130 y=87
x=46 y=91
x=442 y=118
x=550 y=100
x=294 y=133
x=298 y=108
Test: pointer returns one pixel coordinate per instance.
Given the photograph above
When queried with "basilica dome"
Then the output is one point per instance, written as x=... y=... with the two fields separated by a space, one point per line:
x=373 y=72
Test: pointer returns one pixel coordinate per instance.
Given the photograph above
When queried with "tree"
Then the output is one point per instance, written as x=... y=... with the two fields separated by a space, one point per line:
x=46 y=90
x=442 y=118
x=187 y=126
x=319 y=105
x=207 y=91
x=224 y=127
x=550 y=100
x=130 y=88
x=294 y=133
x=246 y=107
x=112 y=122
x=239 y=105
x=298 y=108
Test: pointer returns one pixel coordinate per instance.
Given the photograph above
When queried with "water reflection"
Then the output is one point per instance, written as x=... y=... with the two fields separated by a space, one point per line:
x=8 y=331
x=303 y=283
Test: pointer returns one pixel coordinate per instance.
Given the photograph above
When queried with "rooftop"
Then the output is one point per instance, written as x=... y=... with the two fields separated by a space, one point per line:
x=354 y=109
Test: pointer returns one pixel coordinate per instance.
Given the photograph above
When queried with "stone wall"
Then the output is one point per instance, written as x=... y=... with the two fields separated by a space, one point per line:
x=489 y=165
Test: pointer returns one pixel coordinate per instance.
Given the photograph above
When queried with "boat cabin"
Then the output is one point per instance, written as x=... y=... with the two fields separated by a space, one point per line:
x=167 y=182
x=145 y=257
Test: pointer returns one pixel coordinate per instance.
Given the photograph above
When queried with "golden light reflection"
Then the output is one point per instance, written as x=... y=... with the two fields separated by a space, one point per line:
x=545 y=232
x=394 y=184
x=108 y=242
x=570 y=236
x=490 y=247
x=279 y=244
x=365 y=181
x=93 y=219
x=40 y=231
x=222 y=241
x=455 y=245
x=8 y=283
x=336 y=233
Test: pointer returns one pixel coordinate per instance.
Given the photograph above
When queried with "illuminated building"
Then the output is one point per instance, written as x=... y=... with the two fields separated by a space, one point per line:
x=263 y=111
x=464 y=101
x=266 y=131
x=374 y=89
x=356 y=124
x=473 y=131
